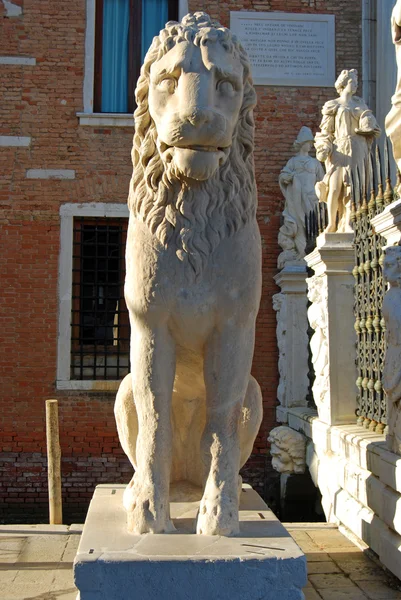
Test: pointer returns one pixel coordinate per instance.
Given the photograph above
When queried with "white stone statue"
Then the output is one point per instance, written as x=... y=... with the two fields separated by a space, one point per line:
x=297 y=182
x=392 y=363
x=346 y=134
x=393 y=119
x=288 y=449
x=189 y=412
x=318 y=320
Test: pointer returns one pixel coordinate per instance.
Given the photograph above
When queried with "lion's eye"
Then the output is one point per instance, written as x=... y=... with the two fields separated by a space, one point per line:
x=225 y=87
x=168 y=85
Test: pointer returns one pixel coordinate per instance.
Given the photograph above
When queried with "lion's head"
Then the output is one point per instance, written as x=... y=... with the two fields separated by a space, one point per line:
x=193 y=179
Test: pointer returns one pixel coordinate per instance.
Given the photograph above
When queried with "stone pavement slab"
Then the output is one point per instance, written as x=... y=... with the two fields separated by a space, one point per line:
x=327 y=566
x=340 y=570
x=378 y=590
x=350 y=593
x=36 y=562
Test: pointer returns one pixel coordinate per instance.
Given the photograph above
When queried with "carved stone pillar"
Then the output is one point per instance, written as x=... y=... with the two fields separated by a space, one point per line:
x=388 y=224
x=331 y=291
x=292 y=337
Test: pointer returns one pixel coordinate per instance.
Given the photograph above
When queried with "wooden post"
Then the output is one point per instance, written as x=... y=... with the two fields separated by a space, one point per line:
x=53 y=463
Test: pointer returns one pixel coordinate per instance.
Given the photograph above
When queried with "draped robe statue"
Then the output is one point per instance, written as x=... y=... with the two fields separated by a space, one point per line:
x=346 y=133
x=393 y=119
x=297 y=182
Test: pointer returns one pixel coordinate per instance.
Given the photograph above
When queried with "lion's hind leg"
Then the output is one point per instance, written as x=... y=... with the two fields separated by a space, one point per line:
x=127 y=418
x=252 y=414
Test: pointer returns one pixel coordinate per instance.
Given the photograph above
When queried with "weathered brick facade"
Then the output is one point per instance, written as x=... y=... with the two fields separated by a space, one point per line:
x=41 y=101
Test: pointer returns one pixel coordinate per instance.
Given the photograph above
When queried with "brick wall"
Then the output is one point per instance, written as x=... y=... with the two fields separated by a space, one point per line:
x=41 y=101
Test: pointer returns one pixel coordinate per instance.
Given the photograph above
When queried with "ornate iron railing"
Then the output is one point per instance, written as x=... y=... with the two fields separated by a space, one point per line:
x=368 y=200
x=371 y=193
x=315 y=224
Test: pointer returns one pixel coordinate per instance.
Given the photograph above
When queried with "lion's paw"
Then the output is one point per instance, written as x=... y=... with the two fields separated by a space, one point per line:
x=146 y=511
x=218 y=515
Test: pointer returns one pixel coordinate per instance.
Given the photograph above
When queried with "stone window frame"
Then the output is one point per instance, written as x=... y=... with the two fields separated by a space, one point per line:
x=88 y=117
x=67 y=214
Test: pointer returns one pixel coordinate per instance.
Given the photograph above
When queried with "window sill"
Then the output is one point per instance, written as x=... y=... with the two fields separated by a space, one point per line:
x=88 y=385
x=106 y=119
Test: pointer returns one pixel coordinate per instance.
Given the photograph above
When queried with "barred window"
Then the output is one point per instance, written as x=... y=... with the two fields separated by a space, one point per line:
x=100 y=324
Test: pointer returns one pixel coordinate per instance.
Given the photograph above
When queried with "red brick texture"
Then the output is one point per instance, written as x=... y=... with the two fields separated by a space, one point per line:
x=41 y=101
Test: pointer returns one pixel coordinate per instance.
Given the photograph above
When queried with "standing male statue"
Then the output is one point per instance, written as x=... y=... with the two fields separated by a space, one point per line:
x=189 y=411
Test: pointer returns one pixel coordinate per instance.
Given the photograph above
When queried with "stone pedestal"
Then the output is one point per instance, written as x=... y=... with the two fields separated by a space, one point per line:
x=262 y=562
x=388 y=224
x=292 y=337
x=333 y=348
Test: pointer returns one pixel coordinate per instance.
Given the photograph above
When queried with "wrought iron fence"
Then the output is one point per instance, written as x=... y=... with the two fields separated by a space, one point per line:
x=368 y=200
x=315 y=224
x=371 y=193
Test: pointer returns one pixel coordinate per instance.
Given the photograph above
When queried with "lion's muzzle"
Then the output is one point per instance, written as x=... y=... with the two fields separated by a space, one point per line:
x=197 y=142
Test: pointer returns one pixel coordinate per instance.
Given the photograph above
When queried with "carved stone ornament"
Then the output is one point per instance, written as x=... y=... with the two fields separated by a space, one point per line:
x=393 y=119
x=343 y=143
x=297 y=182
x=318 y=320
x=392 y=362
x=288 y=450
x=280 y=306
x=292 y=338
x=189 y=412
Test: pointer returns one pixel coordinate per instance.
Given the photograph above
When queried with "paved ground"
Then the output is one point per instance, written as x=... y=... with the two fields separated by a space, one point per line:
x=36 y=564
x=339 y=570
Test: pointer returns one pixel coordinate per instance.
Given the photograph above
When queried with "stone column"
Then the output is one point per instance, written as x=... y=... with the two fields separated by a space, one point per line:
x=292 y=337
x=388 y=224
x=333 y=345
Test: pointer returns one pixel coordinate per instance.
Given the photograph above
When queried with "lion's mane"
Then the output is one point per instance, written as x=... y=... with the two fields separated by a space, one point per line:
x=196 y=216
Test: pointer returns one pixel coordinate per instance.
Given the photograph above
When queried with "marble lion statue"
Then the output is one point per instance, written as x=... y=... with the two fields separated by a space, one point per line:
x=189 y=411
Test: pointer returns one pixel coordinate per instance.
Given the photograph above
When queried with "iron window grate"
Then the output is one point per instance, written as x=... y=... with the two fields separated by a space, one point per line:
x=100 y=324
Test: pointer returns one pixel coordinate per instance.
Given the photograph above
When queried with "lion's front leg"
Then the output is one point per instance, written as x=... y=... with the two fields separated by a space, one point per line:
x=227 y=365
x=146 y=498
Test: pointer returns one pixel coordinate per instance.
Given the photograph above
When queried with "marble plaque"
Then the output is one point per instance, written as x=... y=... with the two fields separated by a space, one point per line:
x=287 y=48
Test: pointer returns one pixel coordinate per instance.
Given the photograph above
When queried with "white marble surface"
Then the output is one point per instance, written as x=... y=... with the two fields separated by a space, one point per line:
x=288 y=48
x=297 y=182
x=288 y=449
x=391 y=376
x=15 y=140
x=335 y=391
x=263 y=561
x=388 y=223
x=292 y=338
x=190 y=409
x=393 y=119
x=360 y=482
x=347 y=130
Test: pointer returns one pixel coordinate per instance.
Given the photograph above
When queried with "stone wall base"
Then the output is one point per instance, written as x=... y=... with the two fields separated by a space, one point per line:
x=359 y=479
